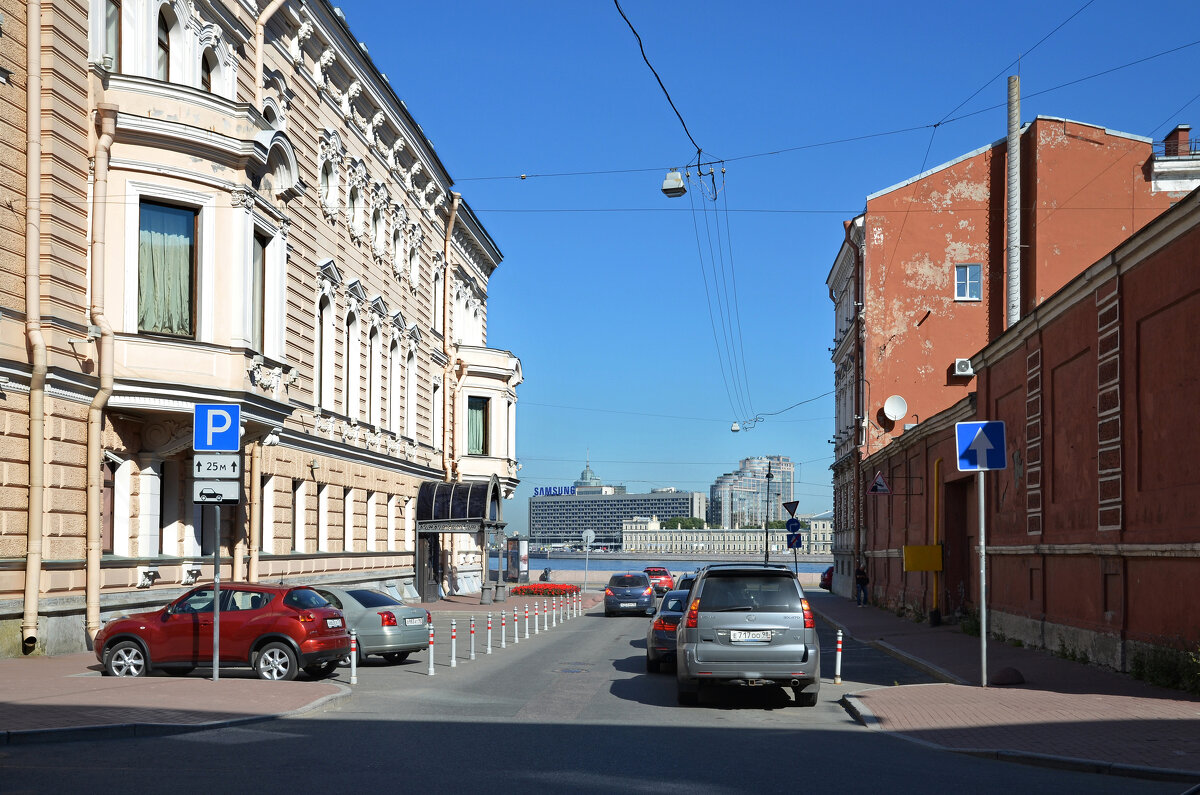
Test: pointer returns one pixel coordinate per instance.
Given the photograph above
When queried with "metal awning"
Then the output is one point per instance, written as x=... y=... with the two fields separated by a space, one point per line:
x=469 y=507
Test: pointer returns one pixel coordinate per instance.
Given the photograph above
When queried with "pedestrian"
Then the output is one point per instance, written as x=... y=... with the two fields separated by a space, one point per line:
x=861 y=580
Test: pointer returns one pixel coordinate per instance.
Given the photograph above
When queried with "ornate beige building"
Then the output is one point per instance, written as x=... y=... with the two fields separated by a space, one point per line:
x=226 y=202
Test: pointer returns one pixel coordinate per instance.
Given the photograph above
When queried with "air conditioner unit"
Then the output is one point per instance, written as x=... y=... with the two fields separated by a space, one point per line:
x=962 y=367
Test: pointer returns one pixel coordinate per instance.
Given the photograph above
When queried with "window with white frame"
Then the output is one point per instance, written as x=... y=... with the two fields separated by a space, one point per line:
x=372 y=521
x=398 y=251
x=414 y=264
x=348 y=497
x=477 y=425
x=410 y=396
x=162 y=59
x=266 y=527
x=353 y=367
x=377 y=230
x=167 y=269
x=355 y=209
x=112 y=34
x=968 y=282
x=439 y=288
x=299 y=514
x=323 y=518
x=375 y=378
x=436 y=411
x=393 y=502
x=328 y=184
x=393 y=385
x=323 y=355
x=258 y=298
x=208 y=67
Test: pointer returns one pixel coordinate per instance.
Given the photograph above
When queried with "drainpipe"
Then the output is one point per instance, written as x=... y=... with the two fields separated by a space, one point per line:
x=260 y=32
x=448 y=460
x=1013 y=259
x=106 y=115
x=255 y=510
x=33 y=323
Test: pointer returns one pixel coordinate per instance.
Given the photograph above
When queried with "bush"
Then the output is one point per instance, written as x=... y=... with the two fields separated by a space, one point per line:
x=1168 y=667
x=545 y=589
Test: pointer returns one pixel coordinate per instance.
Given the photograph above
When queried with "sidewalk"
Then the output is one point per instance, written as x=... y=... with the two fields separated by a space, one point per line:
x=1066 y=714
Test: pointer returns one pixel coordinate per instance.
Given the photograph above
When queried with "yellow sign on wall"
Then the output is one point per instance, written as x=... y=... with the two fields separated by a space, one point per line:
x=923 y=558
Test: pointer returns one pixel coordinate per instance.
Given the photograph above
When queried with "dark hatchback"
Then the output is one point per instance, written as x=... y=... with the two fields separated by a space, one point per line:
x=660 y=638
x=629 y=592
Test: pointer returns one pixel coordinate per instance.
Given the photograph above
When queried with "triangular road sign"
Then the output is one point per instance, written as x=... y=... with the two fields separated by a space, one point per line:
x=879 y=485
x=791 y=507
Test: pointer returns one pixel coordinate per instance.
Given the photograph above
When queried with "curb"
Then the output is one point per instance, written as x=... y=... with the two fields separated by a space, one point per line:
x=130 y=730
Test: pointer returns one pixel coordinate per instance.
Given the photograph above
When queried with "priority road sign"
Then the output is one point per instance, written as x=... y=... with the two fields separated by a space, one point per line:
x=217 y=428
x=980 y=446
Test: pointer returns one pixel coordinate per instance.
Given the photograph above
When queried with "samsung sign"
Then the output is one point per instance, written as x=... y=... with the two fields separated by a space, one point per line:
x=552 y=491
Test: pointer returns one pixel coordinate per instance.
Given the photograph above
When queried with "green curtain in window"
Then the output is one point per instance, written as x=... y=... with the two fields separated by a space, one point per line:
x=165 y=270
x=476 y=425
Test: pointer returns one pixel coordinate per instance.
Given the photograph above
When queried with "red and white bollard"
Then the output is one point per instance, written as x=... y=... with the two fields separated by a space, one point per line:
x=517 y=628
x=472 y=637
x=453 y=643
x=503 y=629
x=489 y=637
x=546 y=614
x=837 y=661
x=353 y=657
x=431 y=672
x=554 y=601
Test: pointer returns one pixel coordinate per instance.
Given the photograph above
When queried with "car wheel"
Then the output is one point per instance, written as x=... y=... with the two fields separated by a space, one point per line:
x=275 y=661
x=176 y=671
x=396 y=656
x=607 y=613
x=652 y=666
x=804 y=699
x=362 y=654
x=321 y=670
x=126 y=659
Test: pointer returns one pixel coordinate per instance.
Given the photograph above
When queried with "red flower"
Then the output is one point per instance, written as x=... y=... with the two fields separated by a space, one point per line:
x=545 y=589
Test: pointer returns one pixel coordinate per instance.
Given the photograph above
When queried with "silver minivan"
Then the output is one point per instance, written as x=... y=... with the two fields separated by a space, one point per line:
x=750 y=625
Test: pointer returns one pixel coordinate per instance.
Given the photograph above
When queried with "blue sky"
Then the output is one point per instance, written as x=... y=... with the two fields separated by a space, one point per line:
x=601 y=292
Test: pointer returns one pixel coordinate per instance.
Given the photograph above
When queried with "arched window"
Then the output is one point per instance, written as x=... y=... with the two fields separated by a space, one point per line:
x=112 y=34
x=414 y=265
x=410 y=397
x=377 y=232
x=162 y=66
x=208 y=66
x=374 y=378
x=439 y=289
x=394 y=376
x=353 y=367
x=355 y=208
x=323 y=355
x=328 y=184
x=398 y=250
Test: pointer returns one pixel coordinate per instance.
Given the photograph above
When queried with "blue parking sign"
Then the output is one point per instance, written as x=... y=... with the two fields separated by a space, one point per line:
x=980 y=446
x=217 y=428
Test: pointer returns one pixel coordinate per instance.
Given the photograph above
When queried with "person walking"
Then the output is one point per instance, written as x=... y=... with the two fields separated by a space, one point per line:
x=861 y=580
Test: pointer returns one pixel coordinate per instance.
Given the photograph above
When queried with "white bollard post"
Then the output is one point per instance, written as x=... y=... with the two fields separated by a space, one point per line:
x=517 y=629
x=431 y=648
x=537 y=618
x=554 y=602
x=837 y=665
x=472 y=637
x=527 y=618
x=503 y=629
x=353 y=657
x=546 y=614
x=489 y=638
x=453 y=643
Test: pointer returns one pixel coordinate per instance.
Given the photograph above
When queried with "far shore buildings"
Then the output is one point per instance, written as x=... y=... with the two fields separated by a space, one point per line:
x=747 y=497
x=209 y=203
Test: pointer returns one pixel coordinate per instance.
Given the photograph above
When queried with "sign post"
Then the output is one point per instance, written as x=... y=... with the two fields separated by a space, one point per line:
x=217 y=432
x=981 y=446
x=794 y=542
x=589 y=536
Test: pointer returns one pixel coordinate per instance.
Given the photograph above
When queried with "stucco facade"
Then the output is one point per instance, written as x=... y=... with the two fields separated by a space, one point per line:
x=233 y=207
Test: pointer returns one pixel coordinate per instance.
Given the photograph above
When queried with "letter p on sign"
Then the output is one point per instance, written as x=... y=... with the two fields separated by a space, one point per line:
x=216 y=428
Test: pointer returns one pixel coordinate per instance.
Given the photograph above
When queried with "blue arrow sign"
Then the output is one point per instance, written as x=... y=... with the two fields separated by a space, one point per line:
x=792 y=525
x=980 y=446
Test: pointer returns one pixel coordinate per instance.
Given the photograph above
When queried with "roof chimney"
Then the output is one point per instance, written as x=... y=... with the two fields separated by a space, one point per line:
x=1176 y=143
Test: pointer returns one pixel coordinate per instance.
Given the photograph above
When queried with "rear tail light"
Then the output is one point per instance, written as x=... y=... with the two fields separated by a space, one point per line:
x=692 y=613
x=308 y=616
x=388 y=618
x=809 y=623
x=608 y=592
x=663 y=626
x=649 y=590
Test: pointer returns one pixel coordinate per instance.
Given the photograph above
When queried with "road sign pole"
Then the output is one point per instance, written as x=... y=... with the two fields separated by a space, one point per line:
x=983 y=630
x=217 y=596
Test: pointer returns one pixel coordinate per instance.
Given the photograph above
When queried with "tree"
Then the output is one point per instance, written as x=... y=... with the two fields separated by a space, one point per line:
x=682 y=523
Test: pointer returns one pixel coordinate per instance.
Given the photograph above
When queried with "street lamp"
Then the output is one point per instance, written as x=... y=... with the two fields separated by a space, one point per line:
x=767 y=519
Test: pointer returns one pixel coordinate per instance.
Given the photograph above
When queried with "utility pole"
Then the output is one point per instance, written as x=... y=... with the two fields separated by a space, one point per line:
x=767 y=519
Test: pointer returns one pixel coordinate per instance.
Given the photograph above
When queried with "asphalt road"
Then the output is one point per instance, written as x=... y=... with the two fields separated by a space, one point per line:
x=571 y=710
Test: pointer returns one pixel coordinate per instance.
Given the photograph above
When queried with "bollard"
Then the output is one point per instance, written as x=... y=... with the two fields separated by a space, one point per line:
x=503 y=630
x=554 y=601
x=516 y=629
x=472 y=637
x=527 y=617
x=537 y=619
x=453 y=643
x=546 y=614
x=837 y=665
x=353 y=657
x=489 y=638
x=431 y=648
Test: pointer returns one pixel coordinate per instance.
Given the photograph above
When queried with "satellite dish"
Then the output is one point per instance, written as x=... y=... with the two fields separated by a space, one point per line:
x=895 y=408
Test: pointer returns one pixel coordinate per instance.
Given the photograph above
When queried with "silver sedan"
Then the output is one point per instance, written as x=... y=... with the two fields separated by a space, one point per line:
x=384 y=625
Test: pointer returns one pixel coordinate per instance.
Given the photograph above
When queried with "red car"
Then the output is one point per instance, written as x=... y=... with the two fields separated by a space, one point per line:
x=276 y=630
x=660 y=578
x=827 y=579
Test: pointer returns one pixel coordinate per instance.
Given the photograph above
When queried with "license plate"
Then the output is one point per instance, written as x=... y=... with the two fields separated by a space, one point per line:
x=413 y=622
x=628 y=604
x=741 y=634
x=333 y=623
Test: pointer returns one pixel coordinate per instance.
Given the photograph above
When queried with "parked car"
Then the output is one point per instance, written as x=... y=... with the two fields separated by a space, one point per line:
x=276 y=630
x=827 y=579
x=382 y=623
x=629 y=592
x=747 y=624
x=660 y=578
x=660 y=638
x=684 y=583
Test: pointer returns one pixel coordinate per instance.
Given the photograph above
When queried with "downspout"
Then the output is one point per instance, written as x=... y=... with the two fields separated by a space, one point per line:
x=33 y=323
x=937 y=515
x=106 y=115
x=1013 y=258
x=449 y=463
x=255 y=510
x=260 y=34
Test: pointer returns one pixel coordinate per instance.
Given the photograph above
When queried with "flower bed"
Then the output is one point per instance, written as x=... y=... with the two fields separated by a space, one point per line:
x=544 y=589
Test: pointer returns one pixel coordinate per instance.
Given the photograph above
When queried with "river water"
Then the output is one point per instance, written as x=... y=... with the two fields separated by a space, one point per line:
x=604 y=562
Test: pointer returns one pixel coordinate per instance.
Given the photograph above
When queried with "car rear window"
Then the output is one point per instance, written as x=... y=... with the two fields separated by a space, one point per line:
x=750 y=593
x=628 y=580
x=304 y=598
x=657 y=572
x=371 y=598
